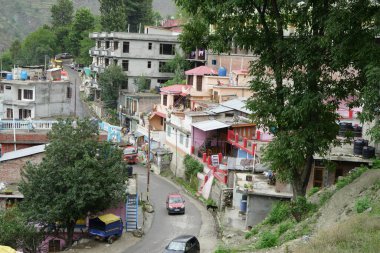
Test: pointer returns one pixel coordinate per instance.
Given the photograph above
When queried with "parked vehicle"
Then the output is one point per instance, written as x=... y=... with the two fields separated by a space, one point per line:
x=63 y=56
x=183 y=244
x=79 y=67
x=130 y=154
x=175 y=203
x=106 y=227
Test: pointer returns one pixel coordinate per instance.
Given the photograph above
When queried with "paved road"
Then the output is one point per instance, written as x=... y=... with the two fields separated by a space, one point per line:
x=165 y=227
x=78 y=108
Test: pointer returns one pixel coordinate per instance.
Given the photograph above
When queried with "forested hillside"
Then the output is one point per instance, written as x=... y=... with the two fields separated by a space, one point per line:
x=20 y=17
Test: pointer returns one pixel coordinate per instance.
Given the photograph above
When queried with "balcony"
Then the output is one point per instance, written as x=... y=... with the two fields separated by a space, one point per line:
x=250 y=146
x=27 y=124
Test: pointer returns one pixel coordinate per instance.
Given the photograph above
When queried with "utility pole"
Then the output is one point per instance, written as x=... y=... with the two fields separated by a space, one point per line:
x=176 y=153
x=148 y=166
x=75 y=97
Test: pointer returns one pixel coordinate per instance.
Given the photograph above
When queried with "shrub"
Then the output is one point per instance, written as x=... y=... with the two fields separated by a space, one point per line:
x=326 y=195
x=285 y=226
x=362 y=204
x=192 y=166
x=279 y=213
x=267 y=240
x=254 y=231
x=300 y=207
x=353 y=174
x=313 y=191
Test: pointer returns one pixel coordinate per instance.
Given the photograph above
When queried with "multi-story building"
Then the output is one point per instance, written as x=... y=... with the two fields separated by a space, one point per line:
x=24 y=99
x=139 y=54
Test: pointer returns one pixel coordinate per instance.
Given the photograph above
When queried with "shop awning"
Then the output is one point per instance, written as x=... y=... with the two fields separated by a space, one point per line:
x=209 y=125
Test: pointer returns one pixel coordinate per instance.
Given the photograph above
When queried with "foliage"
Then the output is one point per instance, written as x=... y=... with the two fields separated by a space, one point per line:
x=139 y=14
x=353 y=174
x=285 y=226
x=79 y=175
x=62 y=13
x=17 y=233
x=326 y=195
x=362 y=204
x=195 y=34
x=113 y=16
x=143 y=83
x=280 y=212
x=15 y=50
x=313 y=191
x=289 y=78
x=110 y=82
x=192 y=166
x=178 y=65
x=267 y=239
x=300 y=208
x=38 y=44
x=210 y=202
x=6 y=61
x=252 y=232
x=84 y=46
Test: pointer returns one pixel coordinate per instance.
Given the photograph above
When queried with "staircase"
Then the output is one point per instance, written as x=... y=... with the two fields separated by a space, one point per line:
x=132 y=212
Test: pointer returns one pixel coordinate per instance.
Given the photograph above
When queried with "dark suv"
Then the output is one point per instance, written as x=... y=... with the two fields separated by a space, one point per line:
x=183 y=244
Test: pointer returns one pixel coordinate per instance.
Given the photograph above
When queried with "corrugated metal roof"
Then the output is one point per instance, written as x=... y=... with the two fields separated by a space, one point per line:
x=209 y=125
x=220 y=109
x=201 y=71
x=237 y=104
x=23 y=152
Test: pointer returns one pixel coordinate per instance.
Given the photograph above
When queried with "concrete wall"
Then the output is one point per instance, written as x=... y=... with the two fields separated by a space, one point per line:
x=10 y=171
x=230 y=62
x=174 y=140
x=23 y=140
x=216 y=192
x=258 y=208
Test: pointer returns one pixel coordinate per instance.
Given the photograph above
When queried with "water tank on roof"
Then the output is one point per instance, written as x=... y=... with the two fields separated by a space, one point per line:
x=9 y=76
x=222 y=71
x=24 y=75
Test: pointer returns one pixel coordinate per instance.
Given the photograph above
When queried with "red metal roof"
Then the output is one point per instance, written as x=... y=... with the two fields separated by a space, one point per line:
x=176 y=89
x=171 y=23
x=201 y=71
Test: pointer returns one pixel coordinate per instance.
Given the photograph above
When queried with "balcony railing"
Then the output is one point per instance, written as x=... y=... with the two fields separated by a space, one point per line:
x=26 y=124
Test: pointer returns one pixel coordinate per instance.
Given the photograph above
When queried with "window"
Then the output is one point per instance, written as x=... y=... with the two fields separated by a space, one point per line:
x=107 y=44
x=187 y=141
x=181 y=138
x=213 y=62
x=190 y=80
x=124 y=86
x=9 y=113
x=150 y=45
x=125 y=65
x=149 y=64
x=24 y=113
x=99 y=44
x=162 y=66
x=107 y=62
x=126 y=47
x=68 y=92
x=28 y=94
x=167 y=49
x=19 y=94
x=169 y=131
x=165 y=100
x=8 y=87
x=199 y=83
x=115 y=45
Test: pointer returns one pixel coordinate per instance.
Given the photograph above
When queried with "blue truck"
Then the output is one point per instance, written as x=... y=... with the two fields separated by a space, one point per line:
x=106 y=227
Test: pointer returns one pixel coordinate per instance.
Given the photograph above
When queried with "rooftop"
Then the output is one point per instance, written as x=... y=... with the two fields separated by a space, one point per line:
x=176 y=89
x=23 y=152
x=201 y=71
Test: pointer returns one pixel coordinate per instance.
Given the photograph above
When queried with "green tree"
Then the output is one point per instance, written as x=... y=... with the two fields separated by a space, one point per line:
x=15 y=50
x=62 y=34
x=113 y=16
x=17 y=233
x=78 y=175
x=195 y=34
x=139 y=12
x=6 y=61
x=143 y=83
x=178 y=65
x=84 y=57
x=62 y=13
x=300 y=79
x=38 y=44
x=110 y=82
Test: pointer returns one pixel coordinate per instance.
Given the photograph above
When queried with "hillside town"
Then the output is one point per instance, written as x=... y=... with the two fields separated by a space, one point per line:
x=148 y=139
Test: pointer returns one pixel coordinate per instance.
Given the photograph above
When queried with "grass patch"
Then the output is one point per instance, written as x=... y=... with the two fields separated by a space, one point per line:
x=354 y=174
x=361 y=234
x=254 y=231
x=267 y=240
x=313 y=191
x=285 y=226
x=362 y=204
x=280 y=212
x=325 y=196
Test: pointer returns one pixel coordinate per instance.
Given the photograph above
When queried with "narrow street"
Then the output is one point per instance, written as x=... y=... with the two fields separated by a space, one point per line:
x=196 y=221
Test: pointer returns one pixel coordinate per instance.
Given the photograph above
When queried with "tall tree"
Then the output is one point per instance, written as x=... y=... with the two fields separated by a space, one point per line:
x=78 y=175
x=113 y=16
x=38 y=44
x=62 y=13
x=110 y=82
x=299 y=79
x=139 y=13
x=82 y=24
x=15 y=50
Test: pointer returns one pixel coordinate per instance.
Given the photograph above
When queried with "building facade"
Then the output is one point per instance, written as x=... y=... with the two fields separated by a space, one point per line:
x=139 y=54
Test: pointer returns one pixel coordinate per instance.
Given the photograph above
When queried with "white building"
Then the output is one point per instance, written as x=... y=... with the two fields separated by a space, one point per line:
x=139 y=54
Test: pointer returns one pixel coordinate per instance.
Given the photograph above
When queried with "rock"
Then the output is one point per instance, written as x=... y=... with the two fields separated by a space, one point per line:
x=229 y=235
x=87 y=247
x=305 y=238
x=368 y=210
x=149 y=208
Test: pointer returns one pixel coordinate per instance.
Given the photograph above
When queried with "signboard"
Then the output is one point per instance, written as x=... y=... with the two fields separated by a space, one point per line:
x=215 y=160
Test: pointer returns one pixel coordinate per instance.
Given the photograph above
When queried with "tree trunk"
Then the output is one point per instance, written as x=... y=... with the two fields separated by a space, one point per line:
x=300 y=181
x=70 y=233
